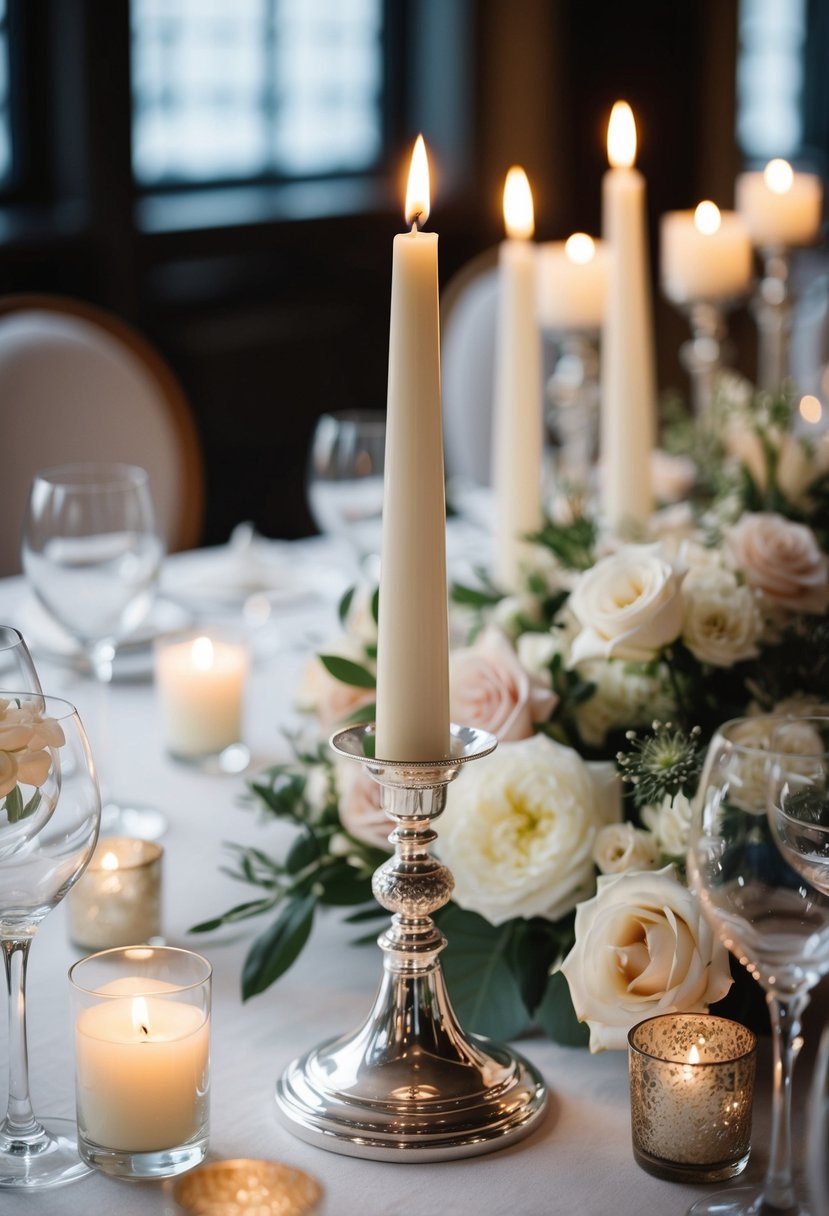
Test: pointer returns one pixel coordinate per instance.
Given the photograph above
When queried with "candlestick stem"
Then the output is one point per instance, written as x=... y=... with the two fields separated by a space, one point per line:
x=772 y=308
x=703 y=355
x=409 y=1084
x=573 y=408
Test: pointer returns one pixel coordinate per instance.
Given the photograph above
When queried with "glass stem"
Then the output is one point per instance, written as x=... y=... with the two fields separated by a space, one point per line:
x=20 y=1121
x=785 y=1014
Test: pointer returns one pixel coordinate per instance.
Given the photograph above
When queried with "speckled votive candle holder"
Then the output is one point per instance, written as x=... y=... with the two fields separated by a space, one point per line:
x=691 y=1093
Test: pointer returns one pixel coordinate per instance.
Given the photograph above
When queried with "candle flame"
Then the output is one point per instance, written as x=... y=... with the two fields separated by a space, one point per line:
x=417 y=190
x=693 y=1054
x=519 y=219
x=580 y=248
x=810 y=408
x=778 y=176
x=621 y=136
x=202 y=654
x=109 y=862
x=707 y=218
x=140 y=1016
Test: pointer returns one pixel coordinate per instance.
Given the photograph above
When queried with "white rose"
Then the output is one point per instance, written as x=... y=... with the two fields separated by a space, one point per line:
x=722 y=622
x=509 y=613
x=670 y=823
x=782 y=559
x=629 y=606
x=536 y=652
x=519 y=829
x=623 y=698
x=489 y=689
x=672 y=476
x=621 y=846
x=642 y=948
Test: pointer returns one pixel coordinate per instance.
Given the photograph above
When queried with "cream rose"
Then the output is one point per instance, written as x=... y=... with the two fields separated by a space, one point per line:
x=670 y=823
x=623 y=697
x=621 y=846
x=489 y=688
x=642 y=948
x=25 y=737
x=782 y=559
x=360 y=812
x=722 y=621
x=629 y=606
x=519 y=828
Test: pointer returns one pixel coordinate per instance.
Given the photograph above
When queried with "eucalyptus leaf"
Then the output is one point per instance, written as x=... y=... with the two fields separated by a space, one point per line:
x=348 y=672
x=253 y=907
x=273 y=952
x=481 y=983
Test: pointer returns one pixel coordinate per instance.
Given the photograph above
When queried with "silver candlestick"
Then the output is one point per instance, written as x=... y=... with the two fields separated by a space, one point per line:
x=409 y=1084
x=572 y=413
x=704 y=353
x=772 y=307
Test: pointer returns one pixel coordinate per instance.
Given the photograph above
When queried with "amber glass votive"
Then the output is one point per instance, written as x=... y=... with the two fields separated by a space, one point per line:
x=691 y=1093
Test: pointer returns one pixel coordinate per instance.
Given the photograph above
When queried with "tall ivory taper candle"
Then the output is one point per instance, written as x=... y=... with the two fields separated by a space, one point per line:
x=517 y=438
x=413 y=643
x=628 y=370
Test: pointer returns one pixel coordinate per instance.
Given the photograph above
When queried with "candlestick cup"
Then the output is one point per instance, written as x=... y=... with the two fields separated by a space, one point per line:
x=409 y=1084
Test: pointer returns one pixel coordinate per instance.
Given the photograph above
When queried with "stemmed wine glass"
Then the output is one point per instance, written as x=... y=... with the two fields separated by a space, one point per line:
x=47 y=762
x=345 y=479
x=767 y=915
x=92 y=553
x=17 y=668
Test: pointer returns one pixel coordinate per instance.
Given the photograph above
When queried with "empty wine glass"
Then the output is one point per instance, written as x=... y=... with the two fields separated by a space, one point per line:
x=17 y=668
x=798 y=796
x=767 y=915
x=92 y=553
x=345 y=478
x=44 y=748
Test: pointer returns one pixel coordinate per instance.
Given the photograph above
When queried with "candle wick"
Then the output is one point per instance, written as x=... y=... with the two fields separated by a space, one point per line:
x=416 y=223
x=144 y=1030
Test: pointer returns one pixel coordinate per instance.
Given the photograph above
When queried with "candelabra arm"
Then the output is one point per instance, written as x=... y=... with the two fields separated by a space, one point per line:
x=772 y=307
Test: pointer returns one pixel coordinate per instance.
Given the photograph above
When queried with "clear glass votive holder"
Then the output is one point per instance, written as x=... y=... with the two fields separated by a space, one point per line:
x=117 y=900
x=691 y=1094
x=201 y=677
x=142 y=1059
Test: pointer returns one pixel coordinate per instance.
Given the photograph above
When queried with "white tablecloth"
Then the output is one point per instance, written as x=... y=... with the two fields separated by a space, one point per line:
x=579 y=1162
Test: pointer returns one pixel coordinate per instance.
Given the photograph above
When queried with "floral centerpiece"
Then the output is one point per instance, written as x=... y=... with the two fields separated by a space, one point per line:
x=603 y=679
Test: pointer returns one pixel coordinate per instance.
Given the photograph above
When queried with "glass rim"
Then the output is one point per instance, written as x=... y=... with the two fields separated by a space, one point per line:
x=756 y=749
x=18 y=637
x=750 y=1050
x=66 y=708
x=166 y=951
x=93 y=475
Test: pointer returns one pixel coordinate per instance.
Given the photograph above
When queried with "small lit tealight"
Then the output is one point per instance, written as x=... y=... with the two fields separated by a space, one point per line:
x=117 y=900
x=704 y=254
x=201 y=680
x=780 y=207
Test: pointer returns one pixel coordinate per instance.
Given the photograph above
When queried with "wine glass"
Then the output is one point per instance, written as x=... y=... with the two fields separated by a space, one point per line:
x=798 y=796
x=92 y=554
x=17 y=668
x=767 y=915
x=345 y=479
x=817 y=1135
x=45 y=737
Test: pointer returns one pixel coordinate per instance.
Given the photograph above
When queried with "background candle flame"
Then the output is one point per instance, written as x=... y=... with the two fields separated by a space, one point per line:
x=707 y=218
x=580 y=248
x=202 y=653
x=621 y=136
x=417 y=189
x=519 y=218
x=778 y=176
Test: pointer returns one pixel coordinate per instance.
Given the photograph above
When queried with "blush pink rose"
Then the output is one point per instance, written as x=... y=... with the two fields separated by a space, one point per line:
x=782 y=559
x=489 y=689
x=360 y=811
x=330 y=699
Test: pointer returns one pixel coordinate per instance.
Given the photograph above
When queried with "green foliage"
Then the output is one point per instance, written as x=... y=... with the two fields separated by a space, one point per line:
x=574 y=544
x=273 y=952
x=348 y=672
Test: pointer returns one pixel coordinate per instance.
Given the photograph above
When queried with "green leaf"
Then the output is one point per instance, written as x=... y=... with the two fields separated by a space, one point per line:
x=345 y=604
x=536 y=945
x=474 y=597
x=273 y=952
x=557 y=1015
x=14 y=805
x=374 y=912
x=481 y=983
x=303 y=852
x=348 y=672
x=366 y=713
x=341 y=884
x=375 y=606
x=253 y=907
x=32 y=805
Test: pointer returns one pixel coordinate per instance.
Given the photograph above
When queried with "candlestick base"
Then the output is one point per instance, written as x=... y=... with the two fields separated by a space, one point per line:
x=409 y=1084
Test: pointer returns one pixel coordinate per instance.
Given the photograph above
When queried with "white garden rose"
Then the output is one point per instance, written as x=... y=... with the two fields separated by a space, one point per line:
x=722 y=621
x=629 y=606
x=670 y=823
x=642 y=948
x=781 y=559
x=519 y=828
x=621 y=846
x=625 y=697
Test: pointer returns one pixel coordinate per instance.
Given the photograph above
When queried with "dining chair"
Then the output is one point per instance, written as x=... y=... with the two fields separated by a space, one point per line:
x=76 y=384
x=468 y=306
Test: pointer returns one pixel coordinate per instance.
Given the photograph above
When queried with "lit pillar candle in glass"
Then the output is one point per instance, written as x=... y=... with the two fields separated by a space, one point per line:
x=517 y=425
x=117 y=899
x=572 y=283
x=780 y=207
x=704 y=254
x=413 y=628
x=142 y=1058
x=628 y=370
x=201 y=680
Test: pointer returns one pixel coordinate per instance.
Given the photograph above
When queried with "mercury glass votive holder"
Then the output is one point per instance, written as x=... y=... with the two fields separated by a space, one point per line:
x=142 y=1060
x=691 y=1094
x=117 y=900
